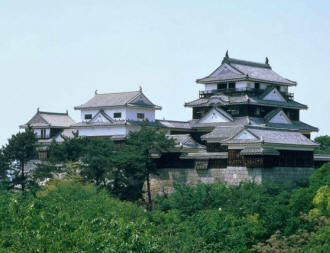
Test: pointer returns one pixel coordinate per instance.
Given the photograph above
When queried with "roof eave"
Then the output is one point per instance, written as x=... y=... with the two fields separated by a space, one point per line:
x=203 y=81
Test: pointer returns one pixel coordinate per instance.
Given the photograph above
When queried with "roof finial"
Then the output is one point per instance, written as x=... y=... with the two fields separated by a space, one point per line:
x=227 y=55
x=67 y=112
x=95 y=92
x=267 y=61
x=38 y=109
x=140 y=89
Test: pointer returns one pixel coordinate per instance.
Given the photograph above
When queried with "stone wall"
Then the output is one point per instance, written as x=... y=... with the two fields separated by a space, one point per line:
x=166 y=180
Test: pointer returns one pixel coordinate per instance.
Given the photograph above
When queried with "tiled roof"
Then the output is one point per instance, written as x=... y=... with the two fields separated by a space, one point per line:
x=114 y=99
x=259 y=151
x=274 y=136
x=242 y=99
x=89 y=124
x=205 y=155
x=322 y=157
x=99 y=124
x=50 y=119
x=174 y=124
x=297 y=125
x=239 y=121
x=185 y=141
x=245 y=70
x=222 y=132
x=281 y=136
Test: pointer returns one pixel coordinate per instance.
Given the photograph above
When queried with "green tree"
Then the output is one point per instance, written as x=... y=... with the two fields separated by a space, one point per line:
x=98 y=163
x=324 y=142
x=70 y=150
x=135 y=158
x=20 y=149
x=321 y=201
x=4 y=179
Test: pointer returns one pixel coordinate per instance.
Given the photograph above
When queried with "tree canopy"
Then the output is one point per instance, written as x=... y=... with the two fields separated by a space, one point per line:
x=324 y=142
x=71 y=216
x=20 y=149
x=135 y=158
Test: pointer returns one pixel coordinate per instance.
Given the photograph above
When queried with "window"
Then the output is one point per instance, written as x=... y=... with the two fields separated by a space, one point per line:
x=140 y=115
x=231 y=85
x=88 y=116
x=117 y=115
x=257 y=111
x=43 y=133
x=222 y=86
x=257 y=85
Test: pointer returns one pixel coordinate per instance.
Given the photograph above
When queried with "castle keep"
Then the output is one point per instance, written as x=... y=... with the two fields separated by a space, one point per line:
x=245 y=126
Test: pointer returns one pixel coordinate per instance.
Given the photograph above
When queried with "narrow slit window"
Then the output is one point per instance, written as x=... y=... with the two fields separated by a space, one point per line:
x=222 y=86
x=117 y=115
x=43 y=133
x=88 y=116
x=140 y=115
x=231 y=85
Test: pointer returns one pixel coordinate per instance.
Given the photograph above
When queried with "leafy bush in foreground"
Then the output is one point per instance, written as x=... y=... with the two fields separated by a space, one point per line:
x=68 y=216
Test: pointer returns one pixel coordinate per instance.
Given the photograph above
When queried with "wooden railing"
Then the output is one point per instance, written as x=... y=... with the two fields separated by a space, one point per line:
x=231 y=91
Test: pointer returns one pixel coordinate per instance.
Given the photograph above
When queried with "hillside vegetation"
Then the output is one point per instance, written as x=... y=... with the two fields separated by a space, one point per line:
x=76 y=216
x=98 y=206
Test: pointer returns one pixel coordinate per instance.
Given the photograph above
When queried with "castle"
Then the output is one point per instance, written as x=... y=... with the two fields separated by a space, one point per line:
x=245 y=126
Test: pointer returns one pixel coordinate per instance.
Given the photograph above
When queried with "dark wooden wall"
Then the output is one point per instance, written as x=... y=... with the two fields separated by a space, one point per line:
x=235 y=158
x=287 y=158
x=172 y=160
x=215 y=147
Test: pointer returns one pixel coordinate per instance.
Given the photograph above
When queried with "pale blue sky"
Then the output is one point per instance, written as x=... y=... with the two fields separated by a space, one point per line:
x=54 y=54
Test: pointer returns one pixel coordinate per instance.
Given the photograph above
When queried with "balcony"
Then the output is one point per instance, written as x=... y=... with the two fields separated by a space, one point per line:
x=239 y=91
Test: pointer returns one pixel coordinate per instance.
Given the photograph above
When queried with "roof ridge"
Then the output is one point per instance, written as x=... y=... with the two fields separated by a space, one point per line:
x=244 y=62
x=53 y=113
x=267 y=128
x=173 y=120
x=138 y=91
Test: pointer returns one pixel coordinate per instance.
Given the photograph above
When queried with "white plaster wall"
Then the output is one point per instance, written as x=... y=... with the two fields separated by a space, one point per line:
x=37 y=132
x=241 y=85
x=209 y=87
x=213 y=116
x=111 y=111
x=263 y=86
x=84 y=112
x=105 y=131
x=131 y=114
x=126 y=113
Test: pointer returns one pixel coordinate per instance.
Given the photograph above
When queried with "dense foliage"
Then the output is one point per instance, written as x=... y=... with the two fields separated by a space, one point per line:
x=324 y=142
x=20 y=149
x=122 y=172
x=82 y=211
x=70 y=216
x=135 y=158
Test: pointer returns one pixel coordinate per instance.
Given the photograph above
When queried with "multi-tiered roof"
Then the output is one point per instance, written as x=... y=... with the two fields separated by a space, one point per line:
x=251 y=93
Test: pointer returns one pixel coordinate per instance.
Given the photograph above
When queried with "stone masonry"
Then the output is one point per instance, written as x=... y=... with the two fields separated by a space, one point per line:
x=166 y=180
